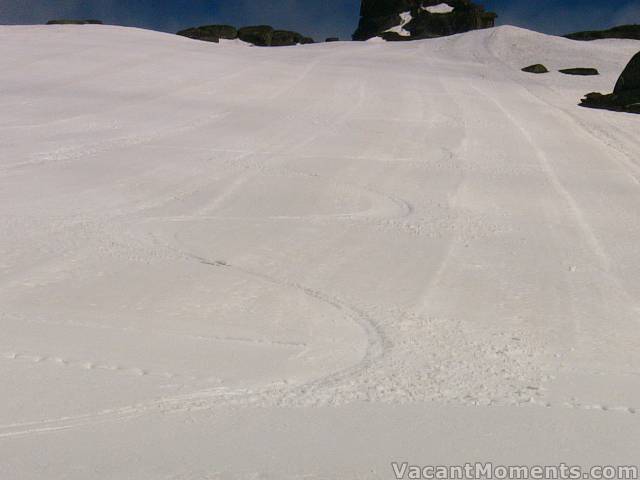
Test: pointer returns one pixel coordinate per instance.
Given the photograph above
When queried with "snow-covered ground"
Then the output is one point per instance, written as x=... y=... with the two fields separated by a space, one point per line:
x=220 y=262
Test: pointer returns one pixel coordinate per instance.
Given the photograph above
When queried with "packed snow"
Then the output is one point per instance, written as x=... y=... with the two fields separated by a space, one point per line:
x=221 y=262
x=441 y=8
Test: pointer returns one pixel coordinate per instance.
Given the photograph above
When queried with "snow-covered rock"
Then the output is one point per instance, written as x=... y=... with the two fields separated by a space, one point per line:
x=419 y=19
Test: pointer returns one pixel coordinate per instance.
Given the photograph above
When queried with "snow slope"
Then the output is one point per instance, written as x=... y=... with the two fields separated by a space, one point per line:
x=228 y=262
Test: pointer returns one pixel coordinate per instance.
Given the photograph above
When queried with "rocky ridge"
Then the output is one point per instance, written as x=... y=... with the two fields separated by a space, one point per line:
x=259 y=35
x=631 y=32
x=401 y=20
x=66 y=21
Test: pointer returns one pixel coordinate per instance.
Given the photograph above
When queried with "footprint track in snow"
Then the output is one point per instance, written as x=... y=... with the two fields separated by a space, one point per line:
x=95 y=366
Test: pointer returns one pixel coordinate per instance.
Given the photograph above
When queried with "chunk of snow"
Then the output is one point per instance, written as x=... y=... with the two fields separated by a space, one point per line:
x=440 y=8
x=399 y=29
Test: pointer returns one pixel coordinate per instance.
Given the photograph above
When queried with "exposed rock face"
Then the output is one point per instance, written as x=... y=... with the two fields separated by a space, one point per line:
x=629 y=81
x=210 y=33
x=626 y=94
x=259 y=35
x=623 y=31
x=537 y=68
x=64 y=21
x=580 y=71
x=399 y=20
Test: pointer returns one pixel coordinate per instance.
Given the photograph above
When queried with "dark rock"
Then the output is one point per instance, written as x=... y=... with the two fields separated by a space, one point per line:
x=626 y=94
x=64 y=21
x=259 y=35
x=378 y=16
x=395 y=37
x=332 y=39
x=384 y=8
x=210 y=33
x=630 y=78
x=370 y=27
x=623 y=31
x=283 y=38
x=537 y=68
x=580 y=71
x=627 y=102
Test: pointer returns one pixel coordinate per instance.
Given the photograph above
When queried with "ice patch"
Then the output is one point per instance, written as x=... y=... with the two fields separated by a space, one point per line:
x=440 y=8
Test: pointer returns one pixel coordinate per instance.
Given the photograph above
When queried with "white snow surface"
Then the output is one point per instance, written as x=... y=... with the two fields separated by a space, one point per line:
x=220 y=262
x=440 y=8
x=399 y=29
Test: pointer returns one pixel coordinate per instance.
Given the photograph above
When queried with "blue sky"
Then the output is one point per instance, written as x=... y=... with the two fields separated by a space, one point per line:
x=318 y=18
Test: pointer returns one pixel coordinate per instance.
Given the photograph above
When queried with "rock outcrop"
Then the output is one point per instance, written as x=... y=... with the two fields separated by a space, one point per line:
x=626 y=94
x=623 y=31
x=259 y=35
x=66 y=21
x=400 y=20
x=210 y=33
x=580 y=71
x=284 y=38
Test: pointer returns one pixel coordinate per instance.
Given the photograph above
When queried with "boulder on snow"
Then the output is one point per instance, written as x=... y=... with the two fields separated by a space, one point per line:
x=66 y=21
x=283 y=38
x=401 y=20
x=622 y=31
x=210 y=33
x=630 y=78
x=580 y=71
x=537 y=68
x=259 y=35
x=626 y=94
